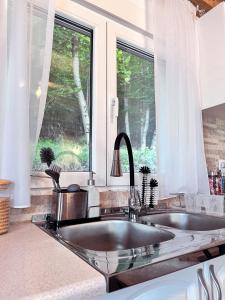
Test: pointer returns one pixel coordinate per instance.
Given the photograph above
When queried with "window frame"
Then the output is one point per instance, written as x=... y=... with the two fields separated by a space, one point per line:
x=119 y=33
x=74 y=26
x=106 y=33
x=80 y=15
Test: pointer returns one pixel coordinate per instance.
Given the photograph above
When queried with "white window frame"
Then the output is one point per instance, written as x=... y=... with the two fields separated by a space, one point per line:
x=104 y=90
x=117 y=32
x=83 y=16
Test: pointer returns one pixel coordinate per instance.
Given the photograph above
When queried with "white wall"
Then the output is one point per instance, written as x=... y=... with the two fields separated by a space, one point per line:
x=136 y=12
x=211 y=29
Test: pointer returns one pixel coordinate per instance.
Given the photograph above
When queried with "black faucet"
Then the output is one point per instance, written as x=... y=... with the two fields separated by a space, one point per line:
x=134 y=199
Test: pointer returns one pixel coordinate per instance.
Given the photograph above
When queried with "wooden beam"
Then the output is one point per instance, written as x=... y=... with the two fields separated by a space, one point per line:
x=206 y=4
x=212 y=3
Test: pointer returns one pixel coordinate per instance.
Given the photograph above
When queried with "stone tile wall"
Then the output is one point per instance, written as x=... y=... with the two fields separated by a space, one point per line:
x=41 y=204
x=214 y=141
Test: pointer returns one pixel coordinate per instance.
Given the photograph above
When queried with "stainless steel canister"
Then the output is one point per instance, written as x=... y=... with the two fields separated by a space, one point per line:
x=69 y=205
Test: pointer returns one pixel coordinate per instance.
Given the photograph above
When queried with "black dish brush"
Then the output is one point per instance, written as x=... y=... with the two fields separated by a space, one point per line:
x=47 y=156
x=144 y=171
x=55 y=177
x=153 y=184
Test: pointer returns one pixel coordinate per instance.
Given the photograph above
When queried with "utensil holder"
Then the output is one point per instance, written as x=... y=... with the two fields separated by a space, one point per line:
x=69 y=205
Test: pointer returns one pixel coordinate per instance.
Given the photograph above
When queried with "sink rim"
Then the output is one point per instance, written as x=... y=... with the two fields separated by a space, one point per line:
x=177 y=212
x=124 y=251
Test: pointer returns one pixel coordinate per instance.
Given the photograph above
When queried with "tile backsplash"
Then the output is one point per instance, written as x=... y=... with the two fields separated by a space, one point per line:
x=214 y=139
x=41 y=203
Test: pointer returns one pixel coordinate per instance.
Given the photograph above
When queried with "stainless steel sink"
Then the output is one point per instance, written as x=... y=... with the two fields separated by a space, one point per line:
x=113 y=235
x=186 y=221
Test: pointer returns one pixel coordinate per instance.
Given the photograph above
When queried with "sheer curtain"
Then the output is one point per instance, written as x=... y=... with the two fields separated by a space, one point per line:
x=29 y=43
x=3 y=58
x=182 y=165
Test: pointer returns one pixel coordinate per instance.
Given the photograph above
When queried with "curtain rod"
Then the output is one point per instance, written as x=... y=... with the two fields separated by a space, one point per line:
x=113 y=17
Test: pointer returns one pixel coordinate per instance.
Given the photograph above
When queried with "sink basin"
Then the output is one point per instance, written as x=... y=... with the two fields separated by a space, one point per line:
x=113 y=235
x=186 y=221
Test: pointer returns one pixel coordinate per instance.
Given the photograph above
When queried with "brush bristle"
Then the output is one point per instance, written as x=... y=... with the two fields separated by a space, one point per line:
x=47 y=156
x=145 y=170
x=153 y=183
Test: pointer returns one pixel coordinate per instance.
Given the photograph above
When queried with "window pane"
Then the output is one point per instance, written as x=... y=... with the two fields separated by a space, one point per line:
x=66 y=125
x=135 y=90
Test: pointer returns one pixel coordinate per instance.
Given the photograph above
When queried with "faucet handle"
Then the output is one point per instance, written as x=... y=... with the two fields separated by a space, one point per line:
x=114 y=108
x=134 y=204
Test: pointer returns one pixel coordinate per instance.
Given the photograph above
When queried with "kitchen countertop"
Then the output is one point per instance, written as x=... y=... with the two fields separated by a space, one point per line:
x=35 y=266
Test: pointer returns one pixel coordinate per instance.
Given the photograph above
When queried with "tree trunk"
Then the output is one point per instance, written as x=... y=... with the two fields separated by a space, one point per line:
x=126 y=119
x=76 y=75
x=145 y=130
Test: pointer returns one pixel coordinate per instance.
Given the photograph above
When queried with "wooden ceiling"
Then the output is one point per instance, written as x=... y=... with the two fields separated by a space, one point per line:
x=205 y=5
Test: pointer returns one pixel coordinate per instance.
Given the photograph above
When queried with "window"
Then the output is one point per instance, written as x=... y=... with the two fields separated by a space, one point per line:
x=94 y=62
x=135 y=92
x=131 y=99
x=67 y=119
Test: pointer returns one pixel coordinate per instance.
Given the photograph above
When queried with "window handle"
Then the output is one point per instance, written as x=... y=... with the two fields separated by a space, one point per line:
x=115 y=108
x=215 y=280
x=202 y=282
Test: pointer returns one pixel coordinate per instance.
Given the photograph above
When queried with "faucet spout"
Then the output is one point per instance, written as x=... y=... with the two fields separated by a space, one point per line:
x=116 y=166
x=116 y=171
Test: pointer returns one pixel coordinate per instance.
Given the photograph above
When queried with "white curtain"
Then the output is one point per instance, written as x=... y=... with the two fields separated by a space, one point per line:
x=3 y=58
x=29 y=44
x=182 y=165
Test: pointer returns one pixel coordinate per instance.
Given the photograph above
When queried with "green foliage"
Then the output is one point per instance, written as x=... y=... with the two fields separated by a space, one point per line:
x=63 y=129
x=61 y=73
x=135 y=76
x=142 y=157
x=123 y=68
x=135 y=82
x=69 y=155
x=74 y=156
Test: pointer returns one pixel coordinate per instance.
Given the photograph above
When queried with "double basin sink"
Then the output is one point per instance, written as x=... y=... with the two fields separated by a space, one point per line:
x=116 y=235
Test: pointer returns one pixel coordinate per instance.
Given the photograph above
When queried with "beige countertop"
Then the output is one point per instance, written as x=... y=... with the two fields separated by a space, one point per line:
x=35 y=266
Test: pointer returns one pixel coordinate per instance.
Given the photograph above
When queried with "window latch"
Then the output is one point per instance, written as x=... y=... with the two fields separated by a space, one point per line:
x=114 y=108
